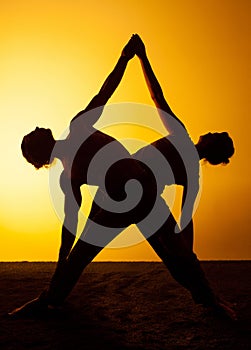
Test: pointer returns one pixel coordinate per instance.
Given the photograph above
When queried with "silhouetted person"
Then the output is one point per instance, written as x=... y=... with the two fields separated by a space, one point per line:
x=176 y=250
x=76 y=153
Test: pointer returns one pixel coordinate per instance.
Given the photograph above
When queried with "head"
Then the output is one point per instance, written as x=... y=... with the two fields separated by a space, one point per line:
x=37 y=147
x=216 y=147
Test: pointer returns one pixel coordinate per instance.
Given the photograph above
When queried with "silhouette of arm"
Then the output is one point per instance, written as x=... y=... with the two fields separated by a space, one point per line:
x=72 y=204
x=183 y=143
x=186 y=217
x=110 y=84
x=154 y=87
x=73 y=200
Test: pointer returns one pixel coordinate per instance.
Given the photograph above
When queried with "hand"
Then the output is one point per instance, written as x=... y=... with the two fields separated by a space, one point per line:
x=140 y=49
x=129 y=50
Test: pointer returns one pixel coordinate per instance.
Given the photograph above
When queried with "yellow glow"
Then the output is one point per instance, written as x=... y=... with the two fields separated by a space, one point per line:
x=54 y=58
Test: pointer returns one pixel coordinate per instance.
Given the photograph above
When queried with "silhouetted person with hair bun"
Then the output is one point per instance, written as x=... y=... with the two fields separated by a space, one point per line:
x=176 y=250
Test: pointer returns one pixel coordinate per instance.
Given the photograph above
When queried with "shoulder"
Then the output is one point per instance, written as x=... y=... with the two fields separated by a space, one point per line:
x=86 y=118
x=78 y=122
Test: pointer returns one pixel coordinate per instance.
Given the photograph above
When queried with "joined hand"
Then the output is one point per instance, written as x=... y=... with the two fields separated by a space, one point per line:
x=134 y=46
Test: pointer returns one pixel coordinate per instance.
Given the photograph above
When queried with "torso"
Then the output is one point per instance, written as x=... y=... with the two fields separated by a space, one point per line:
x=177 y=174
x=79 y=156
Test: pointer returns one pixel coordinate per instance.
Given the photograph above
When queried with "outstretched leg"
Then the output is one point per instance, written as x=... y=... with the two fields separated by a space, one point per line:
x=176 y=251
x=68 y=272
x=182 y=263
x=93 y=239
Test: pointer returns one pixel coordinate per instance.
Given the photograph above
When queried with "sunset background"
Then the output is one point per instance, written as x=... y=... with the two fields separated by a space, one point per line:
x=55 y=56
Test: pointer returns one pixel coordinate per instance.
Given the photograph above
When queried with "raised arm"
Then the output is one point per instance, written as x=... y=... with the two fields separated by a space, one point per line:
x=110 y=84
x=154 y=86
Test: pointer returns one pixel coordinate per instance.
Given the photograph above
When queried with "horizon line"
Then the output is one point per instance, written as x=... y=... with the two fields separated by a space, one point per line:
x=123 y=261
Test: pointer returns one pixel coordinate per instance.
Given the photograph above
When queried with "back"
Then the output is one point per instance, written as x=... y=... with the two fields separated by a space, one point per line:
x=166 y=160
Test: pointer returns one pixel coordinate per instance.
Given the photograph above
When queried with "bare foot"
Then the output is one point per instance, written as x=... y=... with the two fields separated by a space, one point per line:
x=223 y=309
x=33 y=308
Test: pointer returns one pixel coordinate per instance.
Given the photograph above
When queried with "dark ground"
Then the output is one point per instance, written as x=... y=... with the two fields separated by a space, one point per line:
x=126 y=306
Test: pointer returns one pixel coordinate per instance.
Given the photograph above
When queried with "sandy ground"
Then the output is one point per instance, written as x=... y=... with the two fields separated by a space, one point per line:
x=126 y=306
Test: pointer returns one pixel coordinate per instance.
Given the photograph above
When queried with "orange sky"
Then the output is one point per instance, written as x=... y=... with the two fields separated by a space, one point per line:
x=54 y=59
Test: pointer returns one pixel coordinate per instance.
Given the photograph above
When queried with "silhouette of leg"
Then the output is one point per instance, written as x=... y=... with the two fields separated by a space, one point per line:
x=61 y=285
x=101 y=228
x=93 y=239
x=62 y=282
x=176 y=251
